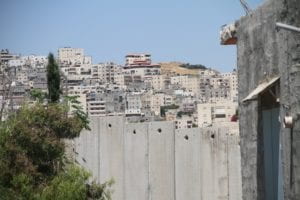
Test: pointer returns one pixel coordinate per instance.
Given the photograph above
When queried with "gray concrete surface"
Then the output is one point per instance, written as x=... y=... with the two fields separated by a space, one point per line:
x=264 y=51
x=153 y=161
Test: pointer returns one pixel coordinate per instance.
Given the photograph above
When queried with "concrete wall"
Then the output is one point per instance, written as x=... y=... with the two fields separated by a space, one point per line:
x=264 y=52
x=155 y=161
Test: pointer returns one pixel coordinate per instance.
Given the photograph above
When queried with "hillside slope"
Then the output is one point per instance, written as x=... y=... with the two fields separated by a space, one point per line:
x=169 y=68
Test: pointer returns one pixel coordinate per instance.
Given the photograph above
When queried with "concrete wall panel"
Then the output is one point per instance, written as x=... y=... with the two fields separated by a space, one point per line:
x=153 y=161
x=111 y=153
x=188 y=164
x=161 y=161
x=136 y=166
x=86 y=146
x=234 y=166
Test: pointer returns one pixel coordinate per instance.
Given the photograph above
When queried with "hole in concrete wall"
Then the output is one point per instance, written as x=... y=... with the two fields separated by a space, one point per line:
x=134 y=132
x=186 y=137
x=159 y=130
x=212 y=136
x=109 y=125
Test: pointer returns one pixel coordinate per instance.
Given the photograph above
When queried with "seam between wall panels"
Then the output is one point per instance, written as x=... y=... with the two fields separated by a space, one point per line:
x=98 y=149
x=174 y=158
x=201 y=170
x=123 y=152
x=148 y=161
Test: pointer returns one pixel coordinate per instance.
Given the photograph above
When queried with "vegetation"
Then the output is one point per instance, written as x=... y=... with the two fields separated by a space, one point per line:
x=33 y=164
x=53 y=79
x=180 y=113
x=164 y=109
x=189 y=66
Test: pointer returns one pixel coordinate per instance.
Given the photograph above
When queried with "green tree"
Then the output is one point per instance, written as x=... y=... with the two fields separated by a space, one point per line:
x=33 y=164
x=53 y=79
x=72 y=184
x=38 y=95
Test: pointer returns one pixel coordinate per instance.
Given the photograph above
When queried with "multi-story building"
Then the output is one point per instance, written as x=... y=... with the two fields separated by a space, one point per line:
x=156 y=82
x=106 y=72
x=209 y=113
x=74 y=64
x=184 y=122
x=73 y=56
x=188 y=82
x=133 y=104
x=96 y=108
x=233 y=84
x=157 y=100
x=6 y=56
x=138 y=68
x=138 y=59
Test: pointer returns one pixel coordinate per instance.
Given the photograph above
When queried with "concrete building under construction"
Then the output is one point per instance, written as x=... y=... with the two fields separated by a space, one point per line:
x=268 y=51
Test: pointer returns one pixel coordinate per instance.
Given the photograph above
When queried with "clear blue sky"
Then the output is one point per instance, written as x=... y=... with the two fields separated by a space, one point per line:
x=171 y=30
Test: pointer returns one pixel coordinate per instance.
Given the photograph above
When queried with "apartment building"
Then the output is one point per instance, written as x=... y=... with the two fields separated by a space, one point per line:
x=233 y=84
x=73 y=56
x=156 y=82
x=184 y=122
x=107 y=72
x=209 y=113
x=74 y=64
x=139 y=68
x=188 y=82
x=157 y=100
x=133 y=104
x=138 y=59
x=6 y=56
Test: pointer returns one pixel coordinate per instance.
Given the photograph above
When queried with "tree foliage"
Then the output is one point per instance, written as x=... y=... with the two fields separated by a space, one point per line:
x=164 y=109
x=53 y=79
x=191 y=66
x=32 y=156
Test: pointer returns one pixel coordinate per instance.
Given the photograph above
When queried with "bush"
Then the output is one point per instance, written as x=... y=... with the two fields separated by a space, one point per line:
x=32 y=155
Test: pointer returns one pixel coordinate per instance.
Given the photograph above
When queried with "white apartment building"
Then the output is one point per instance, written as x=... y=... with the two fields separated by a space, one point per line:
x=160 y=99
x=208 y=72
x=16 y=63
x=22 y=77
x=35 y=61
x=106 y=72
x=82 y=89
x=209 y=113
x=73 y=56
x=156 y=82
x=142 y=71
x=96 y=108
x=74 y=64
x=138 y=59
x=77 y=72
x=233 y=83
x=119 y=78
x=168 y=100
x=157 y=100
x=133 y=104
x=184 y=122
x=190 y=83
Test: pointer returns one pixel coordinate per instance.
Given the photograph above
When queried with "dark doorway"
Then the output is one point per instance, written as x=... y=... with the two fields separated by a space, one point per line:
x=271 y=143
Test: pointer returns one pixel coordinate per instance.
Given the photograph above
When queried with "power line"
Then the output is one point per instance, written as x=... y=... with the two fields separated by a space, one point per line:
x=246 y=6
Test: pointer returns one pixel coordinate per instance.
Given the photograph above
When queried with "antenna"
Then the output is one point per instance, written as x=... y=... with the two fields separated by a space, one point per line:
x=246 y=7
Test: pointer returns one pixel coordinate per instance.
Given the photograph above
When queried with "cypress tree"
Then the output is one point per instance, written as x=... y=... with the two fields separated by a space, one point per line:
x=53 y=79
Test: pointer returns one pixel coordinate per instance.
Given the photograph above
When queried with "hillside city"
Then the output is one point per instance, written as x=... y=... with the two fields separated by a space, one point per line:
x=143 y=129
x=139 y=90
